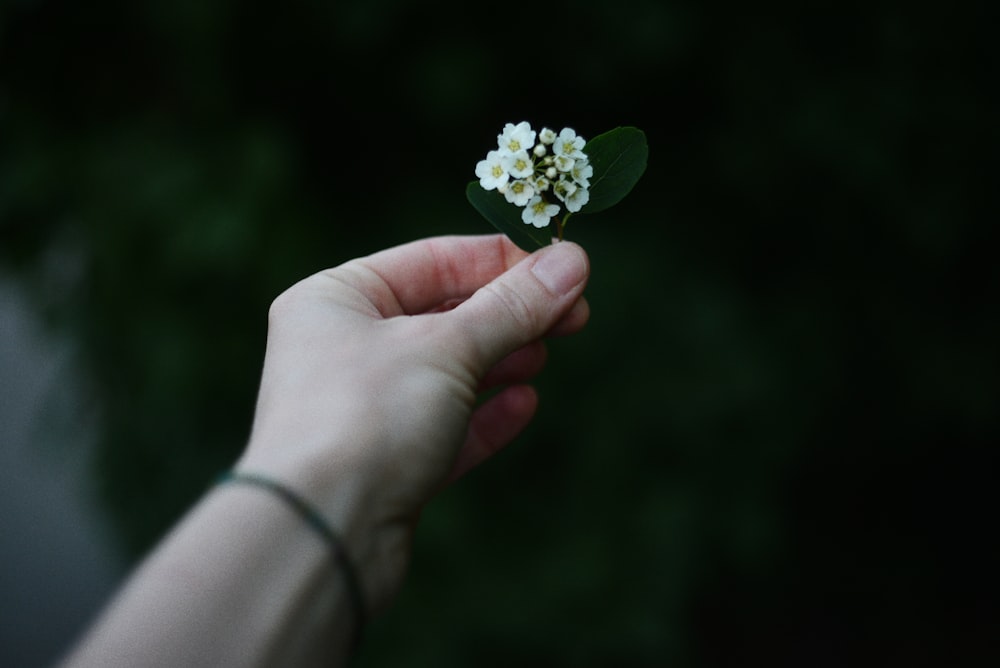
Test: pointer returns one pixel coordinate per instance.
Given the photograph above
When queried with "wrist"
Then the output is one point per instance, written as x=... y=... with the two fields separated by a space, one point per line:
x=345 y=497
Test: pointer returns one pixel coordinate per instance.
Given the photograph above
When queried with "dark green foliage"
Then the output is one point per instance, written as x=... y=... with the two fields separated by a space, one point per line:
x=506 y=218
x=619 y=160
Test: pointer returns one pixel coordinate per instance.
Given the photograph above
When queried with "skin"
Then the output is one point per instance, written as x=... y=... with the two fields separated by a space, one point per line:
x=367 y=409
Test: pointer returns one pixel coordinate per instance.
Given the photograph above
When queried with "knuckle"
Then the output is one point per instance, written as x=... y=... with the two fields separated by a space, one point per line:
x=282 y=306
x=514 y=305
x=291 y=304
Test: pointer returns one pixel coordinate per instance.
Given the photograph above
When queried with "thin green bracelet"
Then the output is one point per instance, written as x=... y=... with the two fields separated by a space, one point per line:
x=315 y=520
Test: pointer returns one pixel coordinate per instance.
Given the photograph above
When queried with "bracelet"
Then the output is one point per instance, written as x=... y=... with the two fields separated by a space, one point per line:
x=315 y=521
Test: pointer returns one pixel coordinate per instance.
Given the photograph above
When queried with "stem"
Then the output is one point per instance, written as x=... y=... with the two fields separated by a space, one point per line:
x=562 y=224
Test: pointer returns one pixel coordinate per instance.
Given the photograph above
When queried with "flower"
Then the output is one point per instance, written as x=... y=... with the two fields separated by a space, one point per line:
x=516 y=138
x=564 y=163
x=564 y=189
x=581 y=172
x=540 y=182
x=491 y=172
x=569 y=145
x=576 y=199
x=571 y=195
x=518 y=165
x=538 y=212
x=519 y=192
x=532 y=175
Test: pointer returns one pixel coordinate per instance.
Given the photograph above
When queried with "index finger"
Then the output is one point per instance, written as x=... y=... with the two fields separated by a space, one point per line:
x=421 y=275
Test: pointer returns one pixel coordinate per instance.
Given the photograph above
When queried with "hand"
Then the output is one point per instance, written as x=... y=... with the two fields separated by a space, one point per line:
x=367 y=403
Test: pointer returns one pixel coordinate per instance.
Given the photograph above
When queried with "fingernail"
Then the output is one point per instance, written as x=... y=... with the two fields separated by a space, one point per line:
x=561 y=267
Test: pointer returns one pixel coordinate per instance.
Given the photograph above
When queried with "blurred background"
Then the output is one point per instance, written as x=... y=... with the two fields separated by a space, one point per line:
x=773 y=445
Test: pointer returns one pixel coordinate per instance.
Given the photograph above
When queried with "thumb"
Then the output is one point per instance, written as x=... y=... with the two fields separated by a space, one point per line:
x=523 y=303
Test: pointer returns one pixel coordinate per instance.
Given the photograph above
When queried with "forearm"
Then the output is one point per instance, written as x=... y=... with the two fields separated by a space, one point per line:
x=242 y=581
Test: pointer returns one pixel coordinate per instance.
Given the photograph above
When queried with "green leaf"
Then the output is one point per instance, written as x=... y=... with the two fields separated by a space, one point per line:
x=507 y=218
x=619 y=160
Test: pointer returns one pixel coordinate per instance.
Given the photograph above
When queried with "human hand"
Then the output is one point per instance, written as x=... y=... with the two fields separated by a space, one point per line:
x=367 y=402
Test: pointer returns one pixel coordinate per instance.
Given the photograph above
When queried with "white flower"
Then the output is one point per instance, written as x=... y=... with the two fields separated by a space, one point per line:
x=538 y=212
x=564 y=189
x=575 y=200
x=572 y=195
x=569 y=145
x=516 y=138
x=540 y=183
x=564 y=164
x=581 y=172
x=490 y=172
x=521 y=171
x=518 y=165
x=519 y=192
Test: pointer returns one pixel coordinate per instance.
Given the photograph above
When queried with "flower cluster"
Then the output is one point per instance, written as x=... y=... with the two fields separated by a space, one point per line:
x=526 y=172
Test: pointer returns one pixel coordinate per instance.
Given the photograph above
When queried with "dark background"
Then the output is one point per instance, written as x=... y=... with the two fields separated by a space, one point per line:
x=773 y=445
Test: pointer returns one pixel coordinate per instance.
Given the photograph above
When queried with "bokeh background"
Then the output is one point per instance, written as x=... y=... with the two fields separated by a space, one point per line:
x=773 y=445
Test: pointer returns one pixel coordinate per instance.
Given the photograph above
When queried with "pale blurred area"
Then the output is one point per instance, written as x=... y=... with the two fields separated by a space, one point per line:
x=58 y=560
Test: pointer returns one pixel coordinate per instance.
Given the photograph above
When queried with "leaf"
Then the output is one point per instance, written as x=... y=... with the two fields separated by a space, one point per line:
x=619 y=161
x=507 y=218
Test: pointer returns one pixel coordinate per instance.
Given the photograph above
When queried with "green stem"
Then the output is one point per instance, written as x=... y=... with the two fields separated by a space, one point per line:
x=562 y=224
